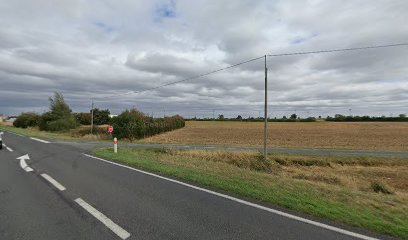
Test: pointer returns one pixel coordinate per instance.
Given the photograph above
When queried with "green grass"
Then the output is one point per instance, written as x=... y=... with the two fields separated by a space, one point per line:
x=357 y=207
x=71 y=135
x=34 y=132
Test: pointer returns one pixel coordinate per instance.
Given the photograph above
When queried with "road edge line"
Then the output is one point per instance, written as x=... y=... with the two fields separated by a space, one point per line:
x=122 y=233
x=39 y=140
x=280 y=213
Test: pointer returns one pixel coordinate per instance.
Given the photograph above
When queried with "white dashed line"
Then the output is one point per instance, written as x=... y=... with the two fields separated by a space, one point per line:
x=10 y=150
x=53 y=182
x=39 y=140
x=280 y=213
x=122 y=233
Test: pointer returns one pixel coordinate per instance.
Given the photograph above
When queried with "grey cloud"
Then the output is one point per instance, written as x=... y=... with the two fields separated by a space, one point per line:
x=102 y=49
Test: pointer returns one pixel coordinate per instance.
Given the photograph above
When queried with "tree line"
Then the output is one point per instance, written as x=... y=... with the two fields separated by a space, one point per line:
x=130 y=124
x=296 y=118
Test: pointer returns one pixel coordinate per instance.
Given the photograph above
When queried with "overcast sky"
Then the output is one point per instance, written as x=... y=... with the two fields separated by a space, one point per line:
x=101 y=48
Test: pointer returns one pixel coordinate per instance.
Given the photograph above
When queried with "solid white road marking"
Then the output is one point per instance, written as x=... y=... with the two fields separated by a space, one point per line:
x=17 y=134
x=122 y=233
x=40 y=140
x=53 y=182
x=280 y=213
x=10 y=150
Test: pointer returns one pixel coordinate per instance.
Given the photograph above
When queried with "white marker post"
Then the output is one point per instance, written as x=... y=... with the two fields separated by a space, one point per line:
x=115 y=145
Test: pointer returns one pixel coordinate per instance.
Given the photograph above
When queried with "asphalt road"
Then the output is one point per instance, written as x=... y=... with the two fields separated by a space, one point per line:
x=82 y=197
x=89 y=145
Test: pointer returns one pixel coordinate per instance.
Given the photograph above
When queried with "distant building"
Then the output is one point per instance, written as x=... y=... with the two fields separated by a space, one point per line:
x=11 y=119
x=112 y=115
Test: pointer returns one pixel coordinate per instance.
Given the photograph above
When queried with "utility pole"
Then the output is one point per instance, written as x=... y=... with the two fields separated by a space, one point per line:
x=164 y=113
x=92 y=113
x=213 y=114
x=266 y=110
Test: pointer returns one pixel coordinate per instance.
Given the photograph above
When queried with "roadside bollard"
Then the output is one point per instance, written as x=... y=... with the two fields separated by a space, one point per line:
x=115 y=145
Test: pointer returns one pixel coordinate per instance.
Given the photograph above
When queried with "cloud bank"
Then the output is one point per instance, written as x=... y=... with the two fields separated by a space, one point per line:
x=96 y=49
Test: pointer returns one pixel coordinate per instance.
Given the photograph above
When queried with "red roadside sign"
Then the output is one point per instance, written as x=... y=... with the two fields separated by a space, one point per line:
x=110 y=129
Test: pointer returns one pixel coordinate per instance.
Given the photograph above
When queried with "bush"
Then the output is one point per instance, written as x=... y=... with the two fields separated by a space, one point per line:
x=380 y=188
x=62 y=124
x=28 y=119
x=101 y=117
x=83 y=118
x=133 y=124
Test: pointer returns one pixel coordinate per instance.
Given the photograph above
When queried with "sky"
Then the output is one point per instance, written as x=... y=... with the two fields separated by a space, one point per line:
x=104 y=49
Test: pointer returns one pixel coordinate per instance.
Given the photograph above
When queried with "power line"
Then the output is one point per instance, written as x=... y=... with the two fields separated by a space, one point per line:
x=189 y=79
x=254 y=59
x=338 y=50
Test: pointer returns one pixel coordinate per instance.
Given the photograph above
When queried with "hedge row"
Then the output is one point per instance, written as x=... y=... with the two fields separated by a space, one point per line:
x=367 y=119
x=132 y=124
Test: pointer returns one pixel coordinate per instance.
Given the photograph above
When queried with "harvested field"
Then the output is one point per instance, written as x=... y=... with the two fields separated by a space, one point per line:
x=335 y=135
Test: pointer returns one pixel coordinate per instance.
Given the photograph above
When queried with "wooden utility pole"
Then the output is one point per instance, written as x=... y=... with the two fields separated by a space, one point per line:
x=266 y=111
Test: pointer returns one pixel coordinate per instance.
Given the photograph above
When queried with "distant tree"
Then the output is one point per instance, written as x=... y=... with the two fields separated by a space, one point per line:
x=221 y=117
x=293 y=116
x=101 y=117
x=58 y=107
x=284 y=117
x=320 y=117
x=402 y=116
x=60 y=116
x=239 y=117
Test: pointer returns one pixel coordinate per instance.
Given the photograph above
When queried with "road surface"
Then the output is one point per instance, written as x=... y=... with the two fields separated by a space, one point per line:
x=55 y=191
x=89 y=145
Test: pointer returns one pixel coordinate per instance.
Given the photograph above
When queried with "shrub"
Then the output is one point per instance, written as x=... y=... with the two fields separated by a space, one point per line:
x=101 y=117
x=133 y=124
x=62 y=124
x=380 y=188
x=28 y=119
x=83 y=118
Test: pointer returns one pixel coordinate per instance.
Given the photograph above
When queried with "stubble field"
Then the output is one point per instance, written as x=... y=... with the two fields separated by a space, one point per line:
x=334 y=135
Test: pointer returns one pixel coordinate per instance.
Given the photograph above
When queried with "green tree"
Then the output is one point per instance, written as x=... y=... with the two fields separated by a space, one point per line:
x=293 y=116
x=101 y=117
x=221 y=117
x=58 y=107
x=60 y=117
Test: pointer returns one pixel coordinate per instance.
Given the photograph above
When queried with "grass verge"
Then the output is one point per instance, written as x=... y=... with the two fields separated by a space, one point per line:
x=344 y=189
x=72 y=135
x=34 y=132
